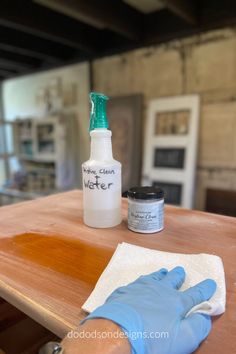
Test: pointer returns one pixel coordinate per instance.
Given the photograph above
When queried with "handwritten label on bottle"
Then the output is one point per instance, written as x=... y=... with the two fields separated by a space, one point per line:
x=101 y=179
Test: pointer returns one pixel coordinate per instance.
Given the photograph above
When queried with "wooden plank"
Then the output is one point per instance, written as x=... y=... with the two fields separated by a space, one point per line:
x=46 y=239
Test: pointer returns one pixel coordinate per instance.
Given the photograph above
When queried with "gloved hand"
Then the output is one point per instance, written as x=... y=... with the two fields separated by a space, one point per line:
x=152 y=312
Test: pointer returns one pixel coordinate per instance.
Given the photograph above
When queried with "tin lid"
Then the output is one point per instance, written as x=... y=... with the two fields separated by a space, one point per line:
x=145 y=193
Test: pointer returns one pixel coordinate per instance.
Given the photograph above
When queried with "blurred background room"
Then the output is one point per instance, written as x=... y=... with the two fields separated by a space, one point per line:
x=169 y=68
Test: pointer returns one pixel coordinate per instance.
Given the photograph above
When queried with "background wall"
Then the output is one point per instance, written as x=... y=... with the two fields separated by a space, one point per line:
x=19 y=96
x=204 y=64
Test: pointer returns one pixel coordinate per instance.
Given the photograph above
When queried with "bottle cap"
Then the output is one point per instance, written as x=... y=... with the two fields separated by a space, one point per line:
x=98 y=116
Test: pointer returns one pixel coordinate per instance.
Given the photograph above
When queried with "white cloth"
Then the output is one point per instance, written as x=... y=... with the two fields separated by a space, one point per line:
x=129 y=262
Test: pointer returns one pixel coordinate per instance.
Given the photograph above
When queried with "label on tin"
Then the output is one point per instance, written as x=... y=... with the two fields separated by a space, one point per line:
x=146 y=217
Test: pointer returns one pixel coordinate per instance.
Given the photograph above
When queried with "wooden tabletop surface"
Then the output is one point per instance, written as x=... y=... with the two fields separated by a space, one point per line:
x=50 y=261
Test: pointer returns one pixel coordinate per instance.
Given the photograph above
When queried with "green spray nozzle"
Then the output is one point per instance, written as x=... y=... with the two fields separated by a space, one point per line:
x=98 y=116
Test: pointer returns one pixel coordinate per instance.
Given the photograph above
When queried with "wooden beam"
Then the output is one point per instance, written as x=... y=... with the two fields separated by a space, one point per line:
x=218 y=13
x=185 y=9
x=18 y=49
x=32 y=46
x=12 y=65
x=19 y=58
x=164 y=26
x=102 y=14
x=31 y=18
x=6 y=73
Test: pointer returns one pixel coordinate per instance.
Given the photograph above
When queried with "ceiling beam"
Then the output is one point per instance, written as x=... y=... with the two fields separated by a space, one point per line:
x=146 y=6
x=31 y=18
x=102 y=14
x=13 y=65
x=32 y=46
x=19 y=58
x=163 y=26
x=6 y=73
x=218 y=13
x=185 y=9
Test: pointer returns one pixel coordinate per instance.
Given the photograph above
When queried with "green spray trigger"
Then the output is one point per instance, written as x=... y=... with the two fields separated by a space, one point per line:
x=98 y=116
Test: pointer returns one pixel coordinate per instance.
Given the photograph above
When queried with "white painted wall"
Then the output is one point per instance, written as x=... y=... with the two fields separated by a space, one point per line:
x=19 y=98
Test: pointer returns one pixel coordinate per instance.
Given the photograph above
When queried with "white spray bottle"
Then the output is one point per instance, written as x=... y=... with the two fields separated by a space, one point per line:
x=101 y=173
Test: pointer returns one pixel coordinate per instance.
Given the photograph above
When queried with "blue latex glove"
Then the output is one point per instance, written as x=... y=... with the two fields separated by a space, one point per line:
x=153 y=306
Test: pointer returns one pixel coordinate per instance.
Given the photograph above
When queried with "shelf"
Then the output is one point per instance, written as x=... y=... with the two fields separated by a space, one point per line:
x=22 y=139
x=46 y=140
x=38 y=159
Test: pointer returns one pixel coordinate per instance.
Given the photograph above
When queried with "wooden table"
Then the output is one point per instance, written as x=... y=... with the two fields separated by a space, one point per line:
x=50 y=261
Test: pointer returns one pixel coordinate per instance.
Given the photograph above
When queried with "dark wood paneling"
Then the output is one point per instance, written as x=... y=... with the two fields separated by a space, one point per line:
x=18 y=333
x=221 y=202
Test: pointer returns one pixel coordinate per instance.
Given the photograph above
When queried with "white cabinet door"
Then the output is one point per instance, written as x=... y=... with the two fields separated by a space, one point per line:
x=171 y=146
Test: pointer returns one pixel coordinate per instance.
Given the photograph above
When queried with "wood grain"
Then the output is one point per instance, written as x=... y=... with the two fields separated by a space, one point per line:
x=50 y=261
